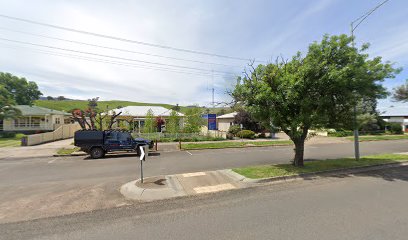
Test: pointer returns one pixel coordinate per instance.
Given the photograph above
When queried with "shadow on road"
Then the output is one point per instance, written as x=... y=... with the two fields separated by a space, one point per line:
x=122 y=155
x=389 y=174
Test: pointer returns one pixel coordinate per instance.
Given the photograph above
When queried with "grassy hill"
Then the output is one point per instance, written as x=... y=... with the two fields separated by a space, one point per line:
x=69 y=105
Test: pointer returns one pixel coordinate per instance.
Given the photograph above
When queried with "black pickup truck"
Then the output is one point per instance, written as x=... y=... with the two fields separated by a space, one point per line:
x=98 y=143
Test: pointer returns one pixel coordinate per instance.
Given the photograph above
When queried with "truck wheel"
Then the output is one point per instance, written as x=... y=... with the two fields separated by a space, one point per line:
x=97 y=153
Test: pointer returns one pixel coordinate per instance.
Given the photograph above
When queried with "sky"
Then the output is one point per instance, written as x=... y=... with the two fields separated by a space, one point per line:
x=176 y=51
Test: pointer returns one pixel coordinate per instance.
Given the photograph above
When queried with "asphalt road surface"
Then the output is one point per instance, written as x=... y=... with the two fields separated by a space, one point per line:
x=370 y=206
x=44 y=187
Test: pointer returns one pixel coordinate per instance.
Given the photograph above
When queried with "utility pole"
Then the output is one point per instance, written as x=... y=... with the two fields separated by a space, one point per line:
x=354 y=24
x=212 y=78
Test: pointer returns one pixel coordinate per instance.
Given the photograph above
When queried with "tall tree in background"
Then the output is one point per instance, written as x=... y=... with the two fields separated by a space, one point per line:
x=401 y=92
x=7 y=109
x=315 y=91
x=193 y=120
x=24 y=92
x=150 y=123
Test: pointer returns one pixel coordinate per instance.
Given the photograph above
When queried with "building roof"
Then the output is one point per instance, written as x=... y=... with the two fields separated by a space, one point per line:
x=27 y=110
x=228 y=115
x=394 y=111
x=140 y=111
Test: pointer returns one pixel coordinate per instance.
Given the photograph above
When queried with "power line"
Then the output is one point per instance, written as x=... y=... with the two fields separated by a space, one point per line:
x=364 y=16
x=108 y=56
x=117 y=49
x=124 y=39
x=113 y=62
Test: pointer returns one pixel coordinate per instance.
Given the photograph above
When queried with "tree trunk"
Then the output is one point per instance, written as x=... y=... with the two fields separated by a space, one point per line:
x=299 y=153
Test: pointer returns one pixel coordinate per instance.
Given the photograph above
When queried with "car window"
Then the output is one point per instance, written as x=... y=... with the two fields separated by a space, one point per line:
x=123 y=136
x=111 y=136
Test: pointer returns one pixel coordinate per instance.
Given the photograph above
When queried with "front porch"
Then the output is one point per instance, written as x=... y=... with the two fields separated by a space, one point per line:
x=28 y=123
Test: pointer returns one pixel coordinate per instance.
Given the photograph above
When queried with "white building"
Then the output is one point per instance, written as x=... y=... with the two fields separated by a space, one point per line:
x=396 y=114
x=137 y=114
x=225 y=121
x=34 y=119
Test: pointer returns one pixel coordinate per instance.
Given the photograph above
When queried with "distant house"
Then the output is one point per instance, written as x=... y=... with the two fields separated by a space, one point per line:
x=397 y=114
x=225 y=121
x=34 y=119
x=138 y=115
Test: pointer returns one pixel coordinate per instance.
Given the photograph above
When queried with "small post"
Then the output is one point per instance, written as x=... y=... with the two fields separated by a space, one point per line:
x=141 y=171
x=179 y=143
x=155 y=148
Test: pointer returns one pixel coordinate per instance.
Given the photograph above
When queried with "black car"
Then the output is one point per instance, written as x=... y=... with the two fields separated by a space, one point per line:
x=98 y=143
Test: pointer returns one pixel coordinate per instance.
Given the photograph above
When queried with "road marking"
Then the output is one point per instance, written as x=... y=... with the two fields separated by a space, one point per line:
x=214 y=188
x=52 y=160
x=193 y=174
x=189 y=152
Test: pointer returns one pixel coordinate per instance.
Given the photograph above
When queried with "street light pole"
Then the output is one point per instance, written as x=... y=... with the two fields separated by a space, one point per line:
x=358 y=21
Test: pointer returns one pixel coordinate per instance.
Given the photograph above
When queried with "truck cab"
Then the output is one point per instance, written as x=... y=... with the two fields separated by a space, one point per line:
x=98 y=143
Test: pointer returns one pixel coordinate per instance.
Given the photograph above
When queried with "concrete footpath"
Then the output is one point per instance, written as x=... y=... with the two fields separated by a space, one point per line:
x=38 y=151
x=187 y=184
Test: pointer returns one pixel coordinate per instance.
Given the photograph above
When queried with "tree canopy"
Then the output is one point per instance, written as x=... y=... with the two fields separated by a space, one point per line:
x=313 y=91
x=401 y=93
x=22 y=91
x=193 y=120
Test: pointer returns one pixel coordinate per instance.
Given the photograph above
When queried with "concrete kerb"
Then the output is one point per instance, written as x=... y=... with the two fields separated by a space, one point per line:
x=320 y=174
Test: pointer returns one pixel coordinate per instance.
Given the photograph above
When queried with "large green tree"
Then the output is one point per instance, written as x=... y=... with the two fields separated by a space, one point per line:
x=7 y=109
x=313 y=91
x=24 y=92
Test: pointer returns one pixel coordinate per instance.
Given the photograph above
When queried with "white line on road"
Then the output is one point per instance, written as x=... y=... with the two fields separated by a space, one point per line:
x=52 y=160
x=189 y=152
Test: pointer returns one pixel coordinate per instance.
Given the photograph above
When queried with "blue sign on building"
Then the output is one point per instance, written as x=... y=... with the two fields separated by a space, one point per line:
x=212 y=121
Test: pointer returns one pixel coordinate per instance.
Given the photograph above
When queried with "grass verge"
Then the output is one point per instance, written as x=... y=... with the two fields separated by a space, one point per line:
x=379 y=137
x=11 y=142
x=280 y=170
x=66 y=151
x=235 y=144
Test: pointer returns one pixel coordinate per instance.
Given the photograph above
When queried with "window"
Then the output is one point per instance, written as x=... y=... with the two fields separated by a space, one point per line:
x=57 y=120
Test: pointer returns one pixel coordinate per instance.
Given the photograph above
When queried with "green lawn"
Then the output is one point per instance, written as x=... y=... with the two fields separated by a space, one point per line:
x=11 y=142
x=379 y=137
x=232 y=144
x=279 y=170
x=67 y=150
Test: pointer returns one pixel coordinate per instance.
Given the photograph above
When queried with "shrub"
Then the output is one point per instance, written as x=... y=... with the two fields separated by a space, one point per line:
x=246 y=134
x=395 y=128
x=262 y=135
x=234 y=129
x=230 y=136
x=341 y=133
x=7 y=135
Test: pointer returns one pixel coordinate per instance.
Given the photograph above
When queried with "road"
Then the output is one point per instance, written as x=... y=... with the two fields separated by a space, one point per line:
x=45 y=187
x=370 y=206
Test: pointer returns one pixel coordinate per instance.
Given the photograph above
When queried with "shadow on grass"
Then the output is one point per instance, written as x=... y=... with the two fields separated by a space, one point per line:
x=318 y=168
